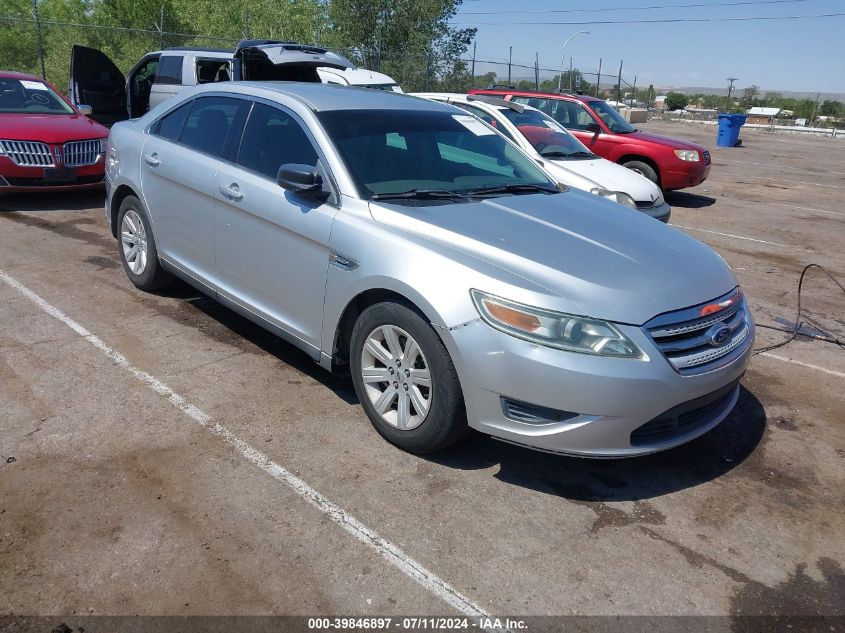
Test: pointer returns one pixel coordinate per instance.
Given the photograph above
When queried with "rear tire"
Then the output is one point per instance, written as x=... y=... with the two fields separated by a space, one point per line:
x=137 y=247
x=644 y=169
x=405 y=379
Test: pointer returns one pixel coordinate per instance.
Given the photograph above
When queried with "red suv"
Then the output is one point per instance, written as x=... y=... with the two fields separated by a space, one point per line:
x=669 y=162
x=46 y=144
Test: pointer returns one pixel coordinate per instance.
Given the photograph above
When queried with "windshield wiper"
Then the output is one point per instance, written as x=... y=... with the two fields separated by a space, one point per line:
x=419 y=194
x=567 y=154
x=513 y=188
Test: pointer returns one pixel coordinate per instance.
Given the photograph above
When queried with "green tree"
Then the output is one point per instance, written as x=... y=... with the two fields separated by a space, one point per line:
x=411 y=40
x=676 y=101
x=650 y=95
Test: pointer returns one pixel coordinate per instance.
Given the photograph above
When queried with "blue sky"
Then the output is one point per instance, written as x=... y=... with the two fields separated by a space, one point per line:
x=804 y=55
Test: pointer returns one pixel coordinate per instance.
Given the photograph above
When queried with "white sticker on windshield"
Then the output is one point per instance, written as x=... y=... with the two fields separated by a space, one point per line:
x=33 y=85
x=472 y=124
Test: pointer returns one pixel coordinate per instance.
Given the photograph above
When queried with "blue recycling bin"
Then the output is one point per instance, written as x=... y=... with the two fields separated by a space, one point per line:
x=729 y=125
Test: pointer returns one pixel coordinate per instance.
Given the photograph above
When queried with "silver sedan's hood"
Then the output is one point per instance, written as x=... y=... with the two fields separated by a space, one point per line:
x=604 y=260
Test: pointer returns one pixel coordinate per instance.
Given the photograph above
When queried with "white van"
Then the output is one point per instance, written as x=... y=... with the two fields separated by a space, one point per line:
x=97 y=82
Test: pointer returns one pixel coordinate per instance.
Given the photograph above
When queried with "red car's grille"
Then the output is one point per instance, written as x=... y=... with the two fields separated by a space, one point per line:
x=78 y=153
x=28 y=153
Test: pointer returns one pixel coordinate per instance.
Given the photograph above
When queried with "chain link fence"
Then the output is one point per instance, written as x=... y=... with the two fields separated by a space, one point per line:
x=43 y=47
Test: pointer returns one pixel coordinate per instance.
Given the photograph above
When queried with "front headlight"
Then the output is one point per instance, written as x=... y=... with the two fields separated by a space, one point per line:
x=554 y=329
x=616 y=196
x=689 y=155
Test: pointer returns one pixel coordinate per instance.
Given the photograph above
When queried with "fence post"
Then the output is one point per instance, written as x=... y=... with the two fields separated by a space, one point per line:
x=427 y=69
x=160 y=27
x=39 y=34
x=598 y=79
x=619 y=82
x=474 y=48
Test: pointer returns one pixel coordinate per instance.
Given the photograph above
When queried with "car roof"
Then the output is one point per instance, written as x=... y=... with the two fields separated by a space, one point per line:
x=322 y=97
x=535 y=93
x=11 y=74
x=468 y=99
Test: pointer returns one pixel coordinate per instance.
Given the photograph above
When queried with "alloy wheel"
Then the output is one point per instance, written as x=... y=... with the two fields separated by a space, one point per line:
x=133 y=237
x=396 y=377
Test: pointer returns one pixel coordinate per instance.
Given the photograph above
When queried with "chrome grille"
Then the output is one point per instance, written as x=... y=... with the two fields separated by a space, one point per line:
x=706 y=155
x=28 y=153
x=693 y=343
x=79 y=153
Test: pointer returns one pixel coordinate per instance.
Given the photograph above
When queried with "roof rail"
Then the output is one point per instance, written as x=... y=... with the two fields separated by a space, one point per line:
x=496 y=101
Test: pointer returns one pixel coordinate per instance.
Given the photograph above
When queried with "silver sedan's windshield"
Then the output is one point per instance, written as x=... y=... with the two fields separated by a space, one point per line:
x=419 y=151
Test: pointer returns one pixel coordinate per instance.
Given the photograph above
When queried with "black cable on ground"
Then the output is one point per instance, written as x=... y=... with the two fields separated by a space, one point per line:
x=795 y=331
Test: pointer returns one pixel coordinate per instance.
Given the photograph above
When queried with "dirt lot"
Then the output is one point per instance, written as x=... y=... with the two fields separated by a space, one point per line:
x=213 y=494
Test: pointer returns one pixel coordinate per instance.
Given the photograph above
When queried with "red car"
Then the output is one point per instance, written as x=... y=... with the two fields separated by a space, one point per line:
x=46 y=144
x=669 y=162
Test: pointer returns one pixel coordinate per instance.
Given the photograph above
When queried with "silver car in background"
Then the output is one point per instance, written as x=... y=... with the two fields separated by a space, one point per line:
x=405 y=242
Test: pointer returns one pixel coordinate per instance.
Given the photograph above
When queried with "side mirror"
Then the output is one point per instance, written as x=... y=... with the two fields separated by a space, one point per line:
x=594 y=128
x=85 y=109
x=302 y=179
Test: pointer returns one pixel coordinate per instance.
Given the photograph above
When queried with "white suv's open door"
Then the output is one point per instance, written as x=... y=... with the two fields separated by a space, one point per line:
x=97 y=82
x=266 y=60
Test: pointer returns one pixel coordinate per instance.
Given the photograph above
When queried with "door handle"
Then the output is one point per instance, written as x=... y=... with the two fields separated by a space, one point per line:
x=232 y=192
x=151 y=160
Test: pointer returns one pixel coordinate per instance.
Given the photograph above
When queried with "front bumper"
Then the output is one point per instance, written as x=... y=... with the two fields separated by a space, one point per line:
x=682 y=174
x=608 y=398
x=661 y=212
x=15 y=178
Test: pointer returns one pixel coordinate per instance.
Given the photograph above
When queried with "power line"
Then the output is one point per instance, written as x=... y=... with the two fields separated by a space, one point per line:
x=658 y=21
x=642 y=8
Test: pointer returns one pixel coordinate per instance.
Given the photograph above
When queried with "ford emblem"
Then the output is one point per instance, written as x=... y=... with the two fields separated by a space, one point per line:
x=720 y=335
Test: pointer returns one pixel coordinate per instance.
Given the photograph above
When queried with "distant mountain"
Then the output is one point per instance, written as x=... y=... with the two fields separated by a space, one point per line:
x=791 y=94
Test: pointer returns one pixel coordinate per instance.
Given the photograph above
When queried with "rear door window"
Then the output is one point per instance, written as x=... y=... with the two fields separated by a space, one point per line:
x=169 y=70
x=273 y=138
x=170 y=125
x=214 y=125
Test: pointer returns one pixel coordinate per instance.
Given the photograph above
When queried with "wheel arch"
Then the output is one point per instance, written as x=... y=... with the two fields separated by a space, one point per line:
x=342 y=334
x=120 y=194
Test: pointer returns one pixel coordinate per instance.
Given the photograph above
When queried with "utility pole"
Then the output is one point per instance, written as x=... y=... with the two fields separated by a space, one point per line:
x=730 y=90
x=619 y=83
x=510 y=59
x=598 y=79
x=815 y=106
x=537 y=72
x=634 y=93
x=40 y=36
x=570 y=73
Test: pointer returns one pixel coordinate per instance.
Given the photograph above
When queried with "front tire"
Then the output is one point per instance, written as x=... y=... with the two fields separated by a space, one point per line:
x=405 y=379
x=137 y=247
x=644 y=169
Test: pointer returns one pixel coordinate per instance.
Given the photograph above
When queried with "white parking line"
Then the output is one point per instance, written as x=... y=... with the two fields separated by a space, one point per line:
x=739 y=237
x=797 y=182
x=802 y=364
x=353 y=526
x=782 y=168
x=792 y=206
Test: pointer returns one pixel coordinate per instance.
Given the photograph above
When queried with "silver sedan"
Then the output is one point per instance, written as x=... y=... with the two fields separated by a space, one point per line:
x=406 y=243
